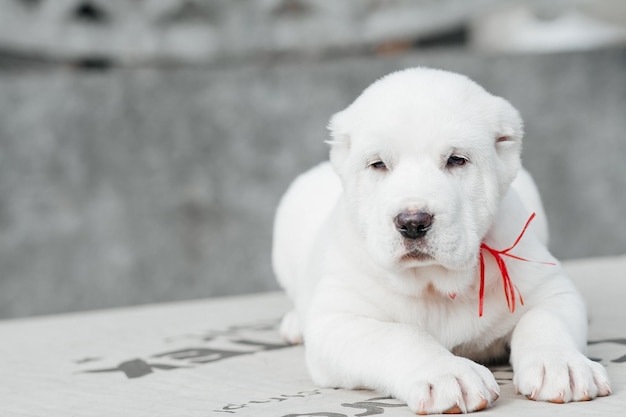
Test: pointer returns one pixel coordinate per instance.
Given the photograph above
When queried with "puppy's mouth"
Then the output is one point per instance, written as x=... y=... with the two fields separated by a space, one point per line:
x=417 y=255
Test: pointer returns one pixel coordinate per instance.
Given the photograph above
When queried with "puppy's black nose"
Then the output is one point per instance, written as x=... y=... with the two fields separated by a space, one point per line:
x=413 y=224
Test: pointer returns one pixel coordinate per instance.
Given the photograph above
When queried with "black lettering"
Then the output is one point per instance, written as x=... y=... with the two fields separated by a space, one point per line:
x=270 y=400
x=199 y=355
x=372 y=406
x=618 y=341
x=230 y=407
x=262 y=345
x=619 y=360
x=135 y=368
x=312 y=392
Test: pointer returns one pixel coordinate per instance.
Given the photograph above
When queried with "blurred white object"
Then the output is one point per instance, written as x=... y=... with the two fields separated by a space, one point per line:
x=520 y=28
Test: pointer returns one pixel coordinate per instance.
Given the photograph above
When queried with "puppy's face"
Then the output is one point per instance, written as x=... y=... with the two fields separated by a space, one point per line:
x=425 y=157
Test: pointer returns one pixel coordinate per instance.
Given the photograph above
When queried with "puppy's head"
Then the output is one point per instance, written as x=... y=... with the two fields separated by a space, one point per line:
x=425 y=157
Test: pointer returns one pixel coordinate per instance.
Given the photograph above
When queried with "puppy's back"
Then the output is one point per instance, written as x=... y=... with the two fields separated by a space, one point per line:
x=303 y=209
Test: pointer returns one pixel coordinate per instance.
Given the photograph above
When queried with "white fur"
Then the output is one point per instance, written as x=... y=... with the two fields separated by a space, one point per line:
x=409 y=327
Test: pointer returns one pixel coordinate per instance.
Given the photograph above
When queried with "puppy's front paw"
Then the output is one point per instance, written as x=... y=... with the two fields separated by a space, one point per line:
x=455 y=385
x=290 y=328
x=560 y=376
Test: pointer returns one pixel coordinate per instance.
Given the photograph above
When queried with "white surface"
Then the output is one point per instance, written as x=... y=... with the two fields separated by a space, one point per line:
x=196 y=359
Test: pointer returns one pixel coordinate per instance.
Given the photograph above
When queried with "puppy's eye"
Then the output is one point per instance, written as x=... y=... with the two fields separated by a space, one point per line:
x=378 y=165
x=455 y=161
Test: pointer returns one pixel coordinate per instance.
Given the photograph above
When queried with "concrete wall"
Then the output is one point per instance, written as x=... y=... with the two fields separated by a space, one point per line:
x=141 y=185
x=201 y=31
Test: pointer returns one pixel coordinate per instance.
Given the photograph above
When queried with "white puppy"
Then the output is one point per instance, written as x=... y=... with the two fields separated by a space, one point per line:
x=408 y=258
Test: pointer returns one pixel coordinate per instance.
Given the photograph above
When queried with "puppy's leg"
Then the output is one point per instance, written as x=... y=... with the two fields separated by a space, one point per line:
x=547 y=352
x=350 y=351
x=290 y=328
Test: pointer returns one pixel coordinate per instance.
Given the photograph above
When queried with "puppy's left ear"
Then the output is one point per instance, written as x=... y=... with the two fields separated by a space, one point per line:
x=508 y=140
x=340 y=140
x=510 y=127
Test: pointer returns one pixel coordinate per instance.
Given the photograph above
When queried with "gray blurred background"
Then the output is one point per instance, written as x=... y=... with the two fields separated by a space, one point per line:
x=144 y=144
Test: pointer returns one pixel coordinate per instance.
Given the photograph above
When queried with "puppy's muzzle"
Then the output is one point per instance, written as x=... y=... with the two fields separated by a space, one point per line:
x=413 y=224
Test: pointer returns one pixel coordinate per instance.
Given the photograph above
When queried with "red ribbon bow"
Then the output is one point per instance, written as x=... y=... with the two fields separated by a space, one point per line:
x=509 y=287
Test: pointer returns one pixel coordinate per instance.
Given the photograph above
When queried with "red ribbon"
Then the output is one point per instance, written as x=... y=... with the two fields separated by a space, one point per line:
x=509 y=287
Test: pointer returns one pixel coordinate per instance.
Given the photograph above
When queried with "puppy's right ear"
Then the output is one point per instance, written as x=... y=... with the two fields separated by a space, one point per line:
x=340 y=140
